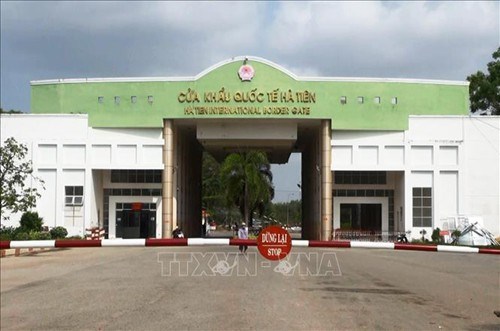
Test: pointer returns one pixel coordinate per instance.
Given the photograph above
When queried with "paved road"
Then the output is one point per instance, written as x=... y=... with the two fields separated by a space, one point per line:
x=320 y=289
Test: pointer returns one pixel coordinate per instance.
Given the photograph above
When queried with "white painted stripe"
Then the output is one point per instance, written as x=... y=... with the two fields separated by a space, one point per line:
x=457 y=249
x=371 y=244
x=33 y=244
x=300 y=243
x=295 y=77
x=207 y=241
x=123 y=242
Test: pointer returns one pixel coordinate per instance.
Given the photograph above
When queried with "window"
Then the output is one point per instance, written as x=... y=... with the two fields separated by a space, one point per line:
x=100 y=99
x=376 y=100
x=136 y=176
x=361 y=177
x=343 y=100
x=394 y=100
x=422 y=207
x=117 y=100
x=150 y=98
x=130 y=206
x=133 y=99
x=74 y=195
x=361 y=100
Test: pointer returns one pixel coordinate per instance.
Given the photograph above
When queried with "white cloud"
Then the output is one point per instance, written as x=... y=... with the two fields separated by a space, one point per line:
x=303 y=71
x=413 y=38
x=100 y=16
x=298 y=23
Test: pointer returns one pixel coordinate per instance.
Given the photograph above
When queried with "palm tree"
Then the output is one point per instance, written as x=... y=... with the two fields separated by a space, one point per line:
x=212 y=189
x=247 y=180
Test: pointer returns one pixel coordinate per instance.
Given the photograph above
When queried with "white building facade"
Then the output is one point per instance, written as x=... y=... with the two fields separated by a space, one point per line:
x=455 y=158
x=67 y=154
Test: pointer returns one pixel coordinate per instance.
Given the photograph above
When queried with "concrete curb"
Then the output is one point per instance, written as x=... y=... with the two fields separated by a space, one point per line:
x=30 y=244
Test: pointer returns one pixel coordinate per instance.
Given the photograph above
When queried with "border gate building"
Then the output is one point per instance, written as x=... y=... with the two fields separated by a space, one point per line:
x=386 y=155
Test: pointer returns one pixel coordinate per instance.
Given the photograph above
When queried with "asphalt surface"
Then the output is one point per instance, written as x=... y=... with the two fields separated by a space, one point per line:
x=215 y=288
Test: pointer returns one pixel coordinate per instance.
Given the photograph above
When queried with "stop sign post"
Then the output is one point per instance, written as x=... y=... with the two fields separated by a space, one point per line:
x=274 y=243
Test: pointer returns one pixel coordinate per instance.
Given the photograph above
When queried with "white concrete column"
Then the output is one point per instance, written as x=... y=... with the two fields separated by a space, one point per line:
x=408 y=204
x=60 y=193
x=326 y=180
x=167 y=178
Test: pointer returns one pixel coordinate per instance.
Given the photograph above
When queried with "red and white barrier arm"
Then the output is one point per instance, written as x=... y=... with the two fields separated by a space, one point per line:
x=237 y=242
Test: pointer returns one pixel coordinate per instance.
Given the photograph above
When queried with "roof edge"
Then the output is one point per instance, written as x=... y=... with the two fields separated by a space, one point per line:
x=250 y=58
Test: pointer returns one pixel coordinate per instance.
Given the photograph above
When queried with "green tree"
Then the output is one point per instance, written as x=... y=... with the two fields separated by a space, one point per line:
x=31 y=221
x=287 y=212
x=484 y=89
x=15 y=194
x=212 y=188
x=247 y=182
x=12 y=111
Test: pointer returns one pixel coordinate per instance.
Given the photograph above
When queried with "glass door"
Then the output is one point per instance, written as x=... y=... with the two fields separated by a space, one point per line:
x=135 y=220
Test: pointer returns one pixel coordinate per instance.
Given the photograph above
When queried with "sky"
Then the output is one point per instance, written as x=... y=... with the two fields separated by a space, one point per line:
x=430 y=40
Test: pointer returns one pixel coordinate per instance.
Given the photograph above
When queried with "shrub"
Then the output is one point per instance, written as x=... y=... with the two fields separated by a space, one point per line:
x=30 y=221
x=423 y=233
x=7 y=233
x=21 y=235
x=456 y=234
x=59 y=232
x=436 y=236
x=36 y=235
x=420 y=241
x=74 y=237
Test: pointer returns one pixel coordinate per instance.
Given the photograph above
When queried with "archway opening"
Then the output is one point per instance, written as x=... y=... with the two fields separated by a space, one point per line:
x=280 y=140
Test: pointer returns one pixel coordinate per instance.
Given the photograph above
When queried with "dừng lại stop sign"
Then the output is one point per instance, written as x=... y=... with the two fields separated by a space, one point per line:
x=274 y=243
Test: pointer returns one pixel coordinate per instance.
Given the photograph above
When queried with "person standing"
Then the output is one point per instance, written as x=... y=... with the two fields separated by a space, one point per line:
x=243 y=234
x=235 y=230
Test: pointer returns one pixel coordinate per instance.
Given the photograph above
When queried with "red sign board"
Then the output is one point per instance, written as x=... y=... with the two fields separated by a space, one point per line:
x=274 y=243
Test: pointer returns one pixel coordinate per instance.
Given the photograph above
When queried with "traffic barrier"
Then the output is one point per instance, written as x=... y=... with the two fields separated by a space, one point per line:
x=95 y=233
x=236 y=242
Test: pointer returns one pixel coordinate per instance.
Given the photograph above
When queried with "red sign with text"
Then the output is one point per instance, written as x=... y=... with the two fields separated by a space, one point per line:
x=274 y=243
